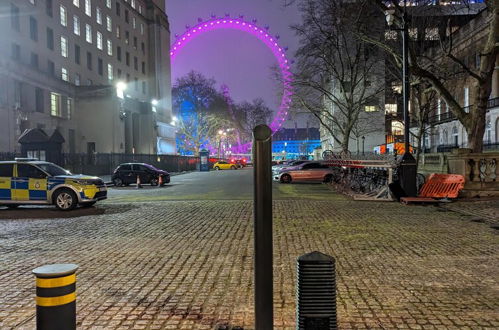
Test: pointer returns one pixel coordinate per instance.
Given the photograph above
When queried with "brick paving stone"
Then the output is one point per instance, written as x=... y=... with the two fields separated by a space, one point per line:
x=188 y=265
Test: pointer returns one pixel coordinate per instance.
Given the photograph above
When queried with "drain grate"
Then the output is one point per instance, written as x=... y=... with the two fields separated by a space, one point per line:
x=316 y=292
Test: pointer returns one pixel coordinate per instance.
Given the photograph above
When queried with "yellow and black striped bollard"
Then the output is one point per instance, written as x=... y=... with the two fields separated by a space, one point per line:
x=56 y=297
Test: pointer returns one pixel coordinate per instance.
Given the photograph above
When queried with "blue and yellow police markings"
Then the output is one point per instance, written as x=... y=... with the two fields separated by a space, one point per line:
x=24 y=189
x=5 y=189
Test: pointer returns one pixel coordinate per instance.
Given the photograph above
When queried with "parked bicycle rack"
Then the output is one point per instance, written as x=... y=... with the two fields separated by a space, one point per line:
x=370 y=178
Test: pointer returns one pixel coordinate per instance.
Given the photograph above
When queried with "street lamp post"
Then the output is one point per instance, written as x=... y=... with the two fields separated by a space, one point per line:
x=408 y=168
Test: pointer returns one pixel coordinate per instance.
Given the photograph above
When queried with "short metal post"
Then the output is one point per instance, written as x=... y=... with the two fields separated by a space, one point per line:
x=56 y=297
x=262 y=160
x=316 y=292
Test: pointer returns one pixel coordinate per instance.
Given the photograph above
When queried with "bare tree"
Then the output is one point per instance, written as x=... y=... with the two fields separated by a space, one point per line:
x=451 y=64
x=336 y=74
x=202 y=110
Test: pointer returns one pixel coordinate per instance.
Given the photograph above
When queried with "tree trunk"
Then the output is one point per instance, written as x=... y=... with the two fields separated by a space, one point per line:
x=345 y=141
x=476 y=128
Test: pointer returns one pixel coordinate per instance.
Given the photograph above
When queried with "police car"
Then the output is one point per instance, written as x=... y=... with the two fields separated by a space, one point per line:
x=28 y=182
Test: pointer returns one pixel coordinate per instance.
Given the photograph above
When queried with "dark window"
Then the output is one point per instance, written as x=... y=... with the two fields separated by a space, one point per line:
x=127 y=37
x=51 y=67
x=33 y=28
x=29 y=171
x=100 y=66
x=125 y=167
x=135 y=63
x=118 y=53
x=34 y=60
x=77 y=54
x=49 y=7
x=144 y=67
x=311 y=165
x=50 y=38
x=89 y=60
x=143 y=47
x=127 y=16
x=119 y=73
x=6 y=170
x=40 y=100
x=135 y=42
x=136 y=83
x=127 y=77
x=144 y=87
x=118 y=8
x=16 y=52
x=127 y=58
x=14 y=17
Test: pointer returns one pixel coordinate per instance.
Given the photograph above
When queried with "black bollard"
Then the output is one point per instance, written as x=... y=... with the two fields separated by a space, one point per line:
x=316 y=292
x=262 y=160
x=56 y=297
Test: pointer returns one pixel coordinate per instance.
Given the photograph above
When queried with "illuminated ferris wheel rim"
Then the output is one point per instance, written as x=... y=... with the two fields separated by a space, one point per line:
x=263 y=35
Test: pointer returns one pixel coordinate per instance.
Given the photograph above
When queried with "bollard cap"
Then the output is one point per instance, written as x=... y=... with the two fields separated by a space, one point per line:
x=262 y=133
x=55 y=270
x=315 y=256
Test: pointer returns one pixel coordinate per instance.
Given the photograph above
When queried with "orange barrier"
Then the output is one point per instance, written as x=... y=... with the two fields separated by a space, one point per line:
x=442 y=186
x=438 y=186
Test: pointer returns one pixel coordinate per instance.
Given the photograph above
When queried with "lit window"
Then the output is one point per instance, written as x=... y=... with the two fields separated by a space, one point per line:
x=134 y=22
x=370 y=108
x=108 y=3
x=390 y=108
x=390 y=35
x=69 y=106
x=32 y=2
x=76 y=3
x=109 y=24
x=64 y=46
x=88 y=7
x=64 y=16
x=76 y=25
x=397 y=128
x=140 y=9
x=88 y=33
x=413 y=33
x=77 y=79
x=99 y=40
x=109 y=72
x=109 y=47
x=133 y=4
x=142 y=28
x=64 y=74
x=431 y=34
x=98 y=15
x=55 y=104
x=118 y=32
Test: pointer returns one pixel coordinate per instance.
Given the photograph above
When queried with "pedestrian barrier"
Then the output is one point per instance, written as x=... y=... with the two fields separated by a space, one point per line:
x=56 y=297
x=160 y=181
x=139 y=185
x=316 y=292
x=438 y=186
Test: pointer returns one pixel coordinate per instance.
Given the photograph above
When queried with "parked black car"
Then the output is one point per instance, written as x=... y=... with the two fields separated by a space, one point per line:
x=126 y=174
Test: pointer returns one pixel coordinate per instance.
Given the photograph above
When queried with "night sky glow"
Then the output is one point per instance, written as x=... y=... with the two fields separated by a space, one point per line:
x=261 y=33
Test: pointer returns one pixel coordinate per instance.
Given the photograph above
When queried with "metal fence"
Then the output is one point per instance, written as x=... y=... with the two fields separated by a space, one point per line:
x=103 y=164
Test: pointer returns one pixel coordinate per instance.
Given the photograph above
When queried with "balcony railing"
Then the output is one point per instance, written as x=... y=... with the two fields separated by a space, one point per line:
x=449 y=116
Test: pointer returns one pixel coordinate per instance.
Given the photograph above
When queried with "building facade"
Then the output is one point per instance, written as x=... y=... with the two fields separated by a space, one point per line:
x=295 y=143
x=97 y=71
x=443 y=131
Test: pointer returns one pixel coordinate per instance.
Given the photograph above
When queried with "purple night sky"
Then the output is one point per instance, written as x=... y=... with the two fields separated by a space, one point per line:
x=233 y=57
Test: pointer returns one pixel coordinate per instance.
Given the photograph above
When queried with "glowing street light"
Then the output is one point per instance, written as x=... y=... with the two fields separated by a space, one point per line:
x=154 y=102
x=120 y=89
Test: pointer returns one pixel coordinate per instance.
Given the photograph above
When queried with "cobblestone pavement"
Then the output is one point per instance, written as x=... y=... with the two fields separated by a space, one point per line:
x=482 y=211
x=188 y=264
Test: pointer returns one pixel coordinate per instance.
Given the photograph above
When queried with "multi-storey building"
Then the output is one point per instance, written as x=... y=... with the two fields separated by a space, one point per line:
x=97 y=71
x=443 y=131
